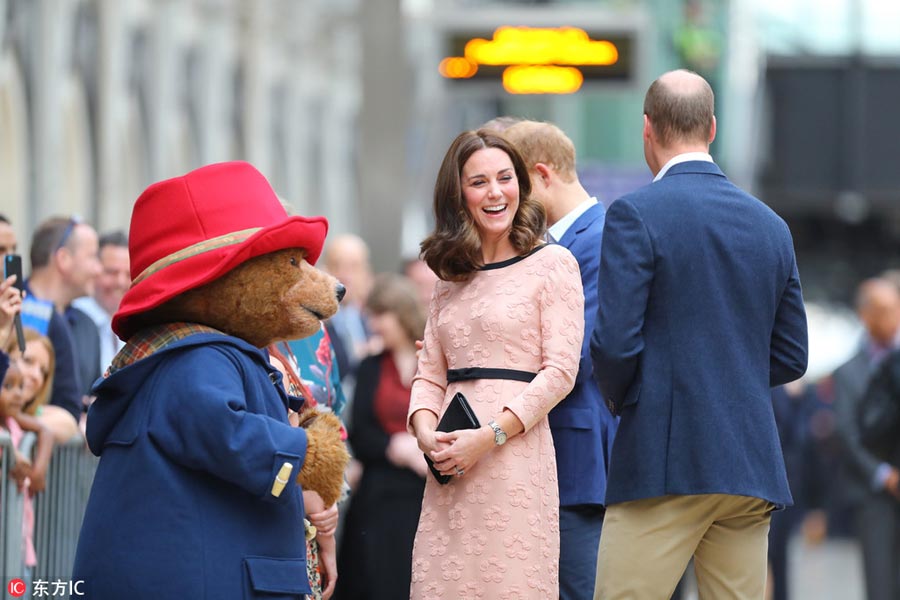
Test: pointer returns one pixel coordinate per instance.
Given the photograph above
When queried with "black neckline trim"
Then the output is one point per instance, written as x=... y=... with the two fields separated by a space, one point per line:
x=510 y=261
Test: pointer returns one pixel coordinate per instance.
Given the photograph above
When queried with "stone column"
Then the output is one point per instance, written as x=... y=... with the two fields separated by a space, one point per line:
x=385 y=180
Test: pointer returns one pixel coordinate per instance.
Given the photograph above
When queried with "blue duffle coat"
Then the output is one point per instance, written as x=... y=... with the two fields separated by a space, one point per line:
x=190 y=441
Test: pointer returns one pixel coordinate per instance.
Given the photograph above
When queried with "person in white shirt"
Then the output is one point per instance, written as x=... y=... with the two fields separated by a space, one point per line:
x=112 y=283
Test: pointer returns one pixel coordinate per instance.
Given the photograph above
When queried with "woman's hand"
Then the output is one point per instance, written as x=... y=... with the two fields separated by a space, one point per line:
x=424 y=423
x=20 y=472
x=10 y=305
x=325 y=521
x=38 y=480
x=428 y=442
x=466 y=447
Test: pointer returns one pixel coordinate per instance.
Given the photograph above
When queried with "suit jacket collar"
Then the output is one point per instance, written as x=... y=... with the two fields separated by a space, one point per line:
x=587 y=219
x=694 y=167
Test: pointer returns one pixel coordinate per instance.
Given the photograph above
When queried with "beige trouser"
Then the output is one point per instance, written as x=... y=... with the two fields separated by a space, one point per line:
x=646 y=545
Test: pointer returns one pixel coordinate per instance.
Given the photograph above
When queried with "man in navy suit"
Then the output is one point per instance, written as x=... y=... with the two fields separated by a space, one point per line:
x=582 y=428
x=700 y=313
x=871 y=486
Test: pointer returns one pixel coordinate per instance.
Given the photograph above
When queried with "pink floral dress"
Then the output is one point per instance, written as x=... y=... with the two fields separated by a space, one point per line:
x=493 y=533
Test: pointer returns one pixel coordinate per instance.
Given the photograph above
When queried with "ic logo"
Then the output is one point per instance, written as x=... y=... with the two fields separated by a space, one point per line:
x=16 y=588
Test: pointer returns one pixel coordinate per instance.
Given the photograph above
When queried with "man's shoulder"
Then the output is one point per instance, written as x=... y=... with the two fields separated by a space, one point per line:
x=674 y=191
x=586 y=226
x=92 y=309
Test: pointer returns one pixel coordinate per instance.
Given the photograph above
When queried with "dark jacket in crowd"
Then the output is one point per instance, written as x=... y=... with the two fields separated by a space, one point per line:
x=879 y=412
x=376 y=549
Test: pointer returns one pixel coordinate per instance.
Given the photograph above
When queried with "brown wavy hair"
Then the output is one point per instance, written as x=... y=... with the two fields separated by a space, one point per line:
x=453 y=249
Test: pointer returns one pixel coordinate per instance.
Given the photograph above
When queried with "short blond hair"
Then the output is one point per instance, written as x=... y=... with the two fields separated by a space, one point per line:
x=540 y=142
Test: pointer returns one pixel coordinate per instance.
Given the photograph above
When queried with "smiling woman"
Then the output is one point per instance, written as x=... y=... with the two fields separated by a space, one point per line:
x=504 y=329
x=481 y=169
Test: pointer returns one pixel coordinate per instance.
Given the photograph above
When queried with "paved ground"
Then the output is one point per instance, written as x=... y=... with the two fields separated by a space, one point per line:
x=832 y=571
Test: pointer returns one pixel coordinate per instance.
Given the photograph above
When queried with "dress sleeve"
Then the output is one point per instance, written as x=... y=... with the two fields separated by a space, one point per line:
x=430 y=383
x=561 y=303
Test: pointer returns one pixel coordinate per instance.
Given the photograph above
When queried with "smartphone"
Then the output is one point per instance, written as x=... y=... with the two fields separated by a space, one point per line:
x=12 y=265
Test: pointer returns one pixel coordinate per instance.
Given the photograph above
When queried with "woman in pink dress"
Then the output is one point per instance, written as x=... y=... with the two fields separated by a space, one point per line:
x=505 y=328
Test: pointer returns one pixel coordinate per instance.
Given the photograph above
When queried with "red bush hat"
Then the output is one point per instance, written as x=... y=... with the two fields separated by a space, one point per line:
x=190 y=230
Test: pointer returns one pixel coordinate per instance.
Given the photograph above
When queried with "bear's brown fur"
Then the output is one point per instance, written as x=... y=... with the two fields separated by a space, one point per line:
x=320 y=427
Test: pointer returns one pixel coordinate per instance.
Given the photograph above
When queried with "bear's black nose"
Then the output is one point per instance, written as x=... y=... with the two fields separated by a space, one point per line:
x=339 y=291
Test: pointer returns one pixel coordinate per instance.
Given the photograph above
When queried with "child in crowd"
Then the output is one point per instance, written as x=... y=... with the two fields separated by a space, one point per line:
x=29 y=477
x=321 y=520
x=38 y=364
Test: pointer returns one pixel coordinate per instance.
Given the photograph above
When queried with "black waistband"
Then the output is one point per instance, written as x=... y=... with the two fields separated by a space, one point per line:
x=470 y=373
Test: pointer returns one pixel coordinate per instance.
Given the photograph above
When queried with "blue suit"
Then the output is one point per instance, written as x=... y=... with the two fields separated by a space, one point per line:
x=583 y=430
x=700 y=312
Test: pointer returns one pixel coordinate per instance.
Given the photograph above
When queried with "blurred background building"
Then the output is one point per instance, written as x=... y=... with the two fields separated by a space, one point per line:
x=340 y=103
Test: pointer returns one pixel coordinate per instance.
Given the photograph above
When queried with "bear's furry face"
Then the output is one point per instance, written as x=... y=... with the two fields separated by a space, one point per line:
x=270 y=298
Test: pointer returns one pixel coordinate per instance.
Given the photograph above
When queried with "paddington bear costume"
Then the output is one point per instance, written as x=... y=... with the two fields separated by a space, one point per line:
x=195 y=496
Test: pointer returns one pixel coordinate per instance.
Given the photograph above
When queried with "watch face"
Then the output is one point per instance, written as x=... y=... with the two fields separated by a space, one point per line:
x=499 y=434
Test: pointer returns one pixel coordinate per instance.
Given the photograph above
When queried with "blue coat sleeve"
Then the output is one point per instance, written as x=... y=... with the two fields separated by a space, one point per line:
x=67 y=384
x=201 y=421
x=789 y=349
x=589 y=267
x=626 y=273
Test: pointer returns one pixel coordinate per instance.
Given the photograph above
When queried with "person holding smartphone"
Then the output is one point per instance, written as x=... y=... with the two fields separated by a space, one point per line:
x=10 y=297
x=10 y=306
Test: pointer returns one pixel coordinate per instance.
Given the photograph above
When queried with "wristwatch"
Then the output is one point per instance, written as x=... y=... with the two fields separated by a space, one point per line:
x=499 y=434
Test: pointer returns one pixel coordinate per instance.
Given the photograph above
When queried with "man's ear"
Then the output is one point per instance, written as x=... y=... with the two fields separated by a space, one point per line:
x=712 y=130
x=62 y=258
x=544 y=172
x=648 y=128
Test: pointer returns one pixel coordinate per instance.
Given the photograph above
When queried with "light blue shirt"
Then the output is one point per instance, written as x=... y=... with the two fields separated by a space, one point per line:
x=559 y=229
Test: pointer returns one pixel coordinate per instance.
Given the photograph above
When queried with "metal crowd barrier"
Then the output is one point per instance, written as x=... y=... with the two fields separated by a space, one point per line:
x=12 y=503
x=59 y=510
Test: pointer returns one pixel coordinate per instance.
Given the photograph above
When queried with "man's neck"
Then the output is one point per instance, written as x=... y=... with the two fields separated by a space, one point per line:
x=46 y=286
x=570 y=195
x=663 y=155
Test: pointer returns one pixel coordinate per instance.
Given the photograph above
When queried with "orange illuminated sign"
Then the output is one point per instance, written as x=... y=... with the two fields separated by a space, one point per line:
x=542 y=80
x=538 y=60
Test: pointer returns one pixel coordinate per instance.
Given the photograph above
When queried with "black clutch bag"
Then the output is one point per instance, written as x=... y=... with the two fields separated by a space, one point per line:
x=459 y=415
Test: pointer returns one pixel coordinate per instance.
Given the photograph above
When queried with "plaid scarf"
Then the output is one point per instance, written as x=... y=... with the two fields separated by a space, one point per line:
x=153 y=339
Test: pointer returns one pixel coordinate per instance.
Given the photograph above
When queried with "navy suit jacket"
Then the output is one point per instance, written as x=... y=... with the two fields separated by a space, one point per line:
x=582 y=428
x=700 y=312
